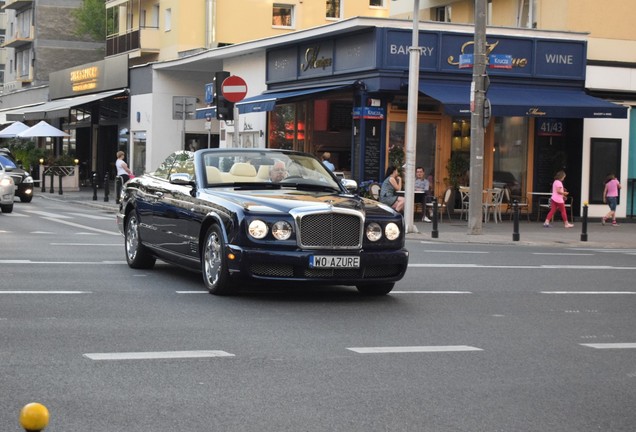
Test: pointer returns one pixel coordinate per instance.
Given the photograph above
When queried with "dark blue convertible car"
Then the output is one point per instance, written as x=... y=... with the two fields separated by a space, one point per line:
x=264 y=215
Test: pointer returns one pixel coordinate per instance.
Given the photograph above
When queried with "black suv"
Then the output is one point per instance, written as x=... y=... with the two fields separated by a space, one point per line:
x=21 y=178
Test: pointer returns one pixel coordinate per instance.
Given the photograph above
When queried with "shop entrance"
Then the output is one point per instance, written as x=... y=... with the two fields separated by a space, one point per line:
x=426 y=146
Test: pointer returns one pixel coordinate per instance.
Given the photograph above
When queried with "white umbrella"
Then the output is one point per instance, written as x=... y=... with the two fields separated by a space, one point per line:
x=42 y=129
x=13 y=129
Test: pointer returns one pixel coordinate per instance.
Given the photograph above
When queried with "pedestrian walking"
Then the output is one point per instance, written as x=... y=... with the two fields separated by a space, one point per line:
x=557 y=201
x=610 y=196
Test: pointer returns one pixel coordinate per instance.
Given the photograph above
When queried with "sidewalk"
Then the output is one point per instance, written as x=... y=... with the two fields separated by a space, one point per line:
x=530 y=233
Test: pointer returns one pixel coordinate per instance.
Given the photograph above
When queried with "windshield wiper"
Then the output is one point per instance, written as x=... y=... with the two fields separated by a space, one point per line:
x=255 y=185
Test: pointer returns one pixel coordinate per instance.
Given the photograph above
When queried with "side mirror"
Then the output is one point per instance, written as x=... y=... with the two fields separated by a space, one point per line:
x=350 y=185
x=183 y=179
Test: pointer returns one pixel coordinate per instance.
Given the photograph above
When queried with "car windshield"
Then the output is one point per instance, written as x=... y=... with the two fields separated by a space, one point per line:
x=8 y=163
x=258 y=168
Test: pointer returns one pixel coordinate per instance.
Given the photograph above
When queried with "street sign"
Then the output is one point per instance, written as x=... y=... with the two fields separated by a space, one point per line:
x=234 y=88
x=500 y=61
x=209 y=93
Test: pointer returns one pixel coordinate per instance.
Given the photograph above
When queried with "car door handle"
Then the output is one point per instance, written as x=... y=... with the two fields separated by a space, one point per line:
x=158 y=194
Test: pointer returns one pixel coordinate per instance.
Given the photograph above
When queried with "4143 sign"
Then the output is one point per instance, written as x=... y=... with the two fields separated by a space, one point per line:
x=550 y=127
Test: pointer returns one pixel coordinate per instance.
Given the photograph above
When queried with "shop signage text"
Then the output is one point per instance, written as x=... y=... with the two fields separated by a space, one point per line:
x=84 y=79
x=313 y=61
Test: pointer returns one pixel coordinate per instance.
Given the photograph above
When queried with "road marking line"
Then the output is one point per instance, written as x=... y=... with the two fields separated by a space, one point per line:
x=63 y=262
x=412 y=349
x=48 y=215
x=521 y=267
x=192 y=292
x=157 y=355
x=45 y=292
x=431 y=292
x=83 y=226
x=562 y=254
x=588 y=292
x=96 y=217
x=611 y=345
x=86 y=244
x=455 y=252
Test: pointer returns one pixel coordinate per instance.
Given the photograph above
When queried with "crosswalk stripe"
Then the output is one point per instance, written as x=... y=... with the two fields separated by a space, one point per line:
x=413 y=349
x=611 y=345
x=157 y=355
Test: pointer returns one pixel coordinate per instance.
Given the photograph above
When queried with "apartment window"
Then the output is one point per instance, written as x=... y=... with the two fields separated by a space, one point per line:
x=142 y=19
x=168 y=23
x=155 y=16
x=334 y=9
x=112 y=21
x=376 y=3
x=526 y=15
x=283 y=15
x=441 y=14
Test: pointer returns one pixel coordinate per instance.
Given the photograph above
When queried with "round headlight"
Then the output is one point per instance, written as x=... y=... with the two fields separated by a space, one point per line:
x=281 y=230
x=28 y=179
x=374 y=232
x=257 y=229
x=392 y=231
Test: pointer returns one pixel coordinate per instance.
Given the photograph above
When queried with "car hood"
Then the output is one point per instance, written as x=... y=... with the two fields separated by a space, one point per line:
x=282 y=201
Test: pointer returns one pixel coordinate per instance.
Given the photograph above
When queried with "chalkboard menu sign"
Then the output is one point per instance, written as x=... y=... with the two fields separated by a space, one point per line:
x=372 y=151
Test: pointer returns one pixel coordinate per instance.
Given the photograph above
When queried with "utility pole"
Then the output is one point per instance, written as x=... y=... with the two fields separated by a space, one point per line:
x=411 y=122
x=477 y=97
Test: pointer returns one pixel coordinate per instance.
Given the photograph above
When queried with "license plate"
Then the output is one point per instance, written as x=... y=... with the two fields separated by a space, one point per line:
x=331 y=261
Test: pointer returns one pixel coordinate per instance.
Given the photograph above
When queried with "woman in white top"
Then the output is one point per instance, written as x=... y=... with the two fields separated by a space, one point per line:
x=122 y=168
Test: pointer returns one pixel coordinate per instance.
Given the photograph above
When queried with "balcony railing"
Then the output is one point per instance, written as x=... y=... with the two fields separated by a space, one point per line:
x=19 y=38
x=144 y=40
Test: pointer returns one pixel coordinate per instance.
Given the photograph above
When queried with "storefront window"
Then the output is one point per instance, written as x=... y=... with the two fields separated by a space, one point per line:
x=510 y=154
x=287 y=124
x=139 y=152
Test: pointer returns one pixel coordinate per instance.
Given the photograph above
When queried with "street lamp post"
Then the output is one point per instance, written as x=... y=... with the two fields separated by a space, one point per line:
x=477 y=97
x=411 y=121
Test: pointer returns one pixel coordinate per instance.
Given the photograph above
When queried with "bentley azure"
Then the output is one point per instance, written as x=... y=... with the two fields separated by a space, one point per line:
x=260 y=215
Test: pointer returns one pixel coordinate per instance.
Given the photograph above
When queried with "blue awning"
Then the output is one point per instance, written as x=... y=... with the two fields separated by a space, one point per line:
x=201 y=113
x=267 y=101
x=530 y=101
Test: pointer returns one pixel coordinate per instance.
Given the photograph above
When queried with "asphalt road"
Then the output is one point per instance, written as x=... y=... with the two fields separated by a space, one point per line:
x=475 y=338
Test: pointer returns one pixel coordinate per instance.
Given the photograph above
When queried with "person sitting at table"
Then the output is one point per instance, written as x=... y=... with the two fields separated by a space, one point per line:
x=422 y=185
x=391 y=184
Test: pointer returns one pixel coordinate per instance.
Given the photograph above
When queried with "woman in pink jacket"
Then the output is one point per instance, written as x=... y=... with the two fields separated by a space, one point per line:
x=557 y=201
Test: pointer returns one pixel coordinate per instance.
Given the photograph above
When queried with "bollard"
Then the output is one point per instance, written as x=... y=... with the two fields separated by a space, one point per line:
x=60 y=185
x=434 y=232
x=515 y=220
x=106 y=187
x=94 y=182
x=43 y=180
x=118 y=187
x=34 y=417
x=584 y=224
x=52 y=179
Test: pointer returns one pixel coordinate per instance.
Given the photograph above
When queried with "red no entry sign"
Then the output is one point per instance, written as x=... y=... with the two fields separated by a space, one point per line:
x=234 y=88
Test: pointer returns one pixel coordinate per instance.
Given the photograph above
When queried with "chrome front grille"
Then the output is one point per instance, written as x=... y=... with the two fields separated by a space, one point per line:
x=330 y=230
x=17 y=179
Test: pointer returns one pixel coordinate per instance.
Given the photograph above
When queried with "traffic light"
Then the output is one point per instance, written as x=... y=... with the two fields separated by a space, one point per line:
x=224 y=108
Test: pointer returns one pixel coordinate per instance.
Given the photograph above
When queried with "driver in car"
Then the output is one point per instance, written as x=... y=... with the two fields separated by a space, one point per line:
x=278 y=172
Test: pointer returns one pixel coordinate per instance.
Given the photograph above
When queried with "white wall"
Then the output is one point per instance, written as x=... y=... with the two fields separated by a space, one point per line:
x=252 y=69
x=605 y=128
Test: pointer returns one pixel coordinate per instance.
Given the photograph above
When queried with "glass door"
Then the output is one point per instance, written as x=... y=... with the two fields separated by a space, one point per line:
x=426 y=146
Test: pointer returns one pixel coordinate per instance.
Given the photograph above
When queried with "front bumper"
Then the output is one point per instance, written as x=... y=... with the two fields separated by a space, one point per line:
x=375 y=266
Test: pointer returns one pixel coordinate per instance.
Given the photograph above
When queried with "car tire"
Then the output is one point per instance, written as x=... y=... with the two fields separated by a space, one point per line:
x=8 y=208
x=26 y=198
x=375 y=289
x=137 y=254
x=213 y=263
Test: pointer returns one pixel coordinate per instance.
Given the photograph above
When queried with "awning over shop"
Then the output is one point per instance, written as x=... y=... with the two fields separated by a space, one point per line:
x=267 y=101
x=202 y=113
x=59 y=107
x=532 y=101
x=8 y=111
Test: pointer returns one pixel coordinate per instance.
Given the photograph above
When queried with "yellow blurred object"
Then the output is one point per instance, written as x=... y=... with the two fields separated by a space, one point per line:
x=34 y=417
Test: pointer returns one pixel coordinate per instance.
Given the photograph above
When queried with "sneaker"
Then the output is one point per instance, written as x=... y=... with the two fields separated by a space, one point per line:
x=603 y=221
x=569 y=225
x=426 y=219
x=546 y=225
x=614 y=223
